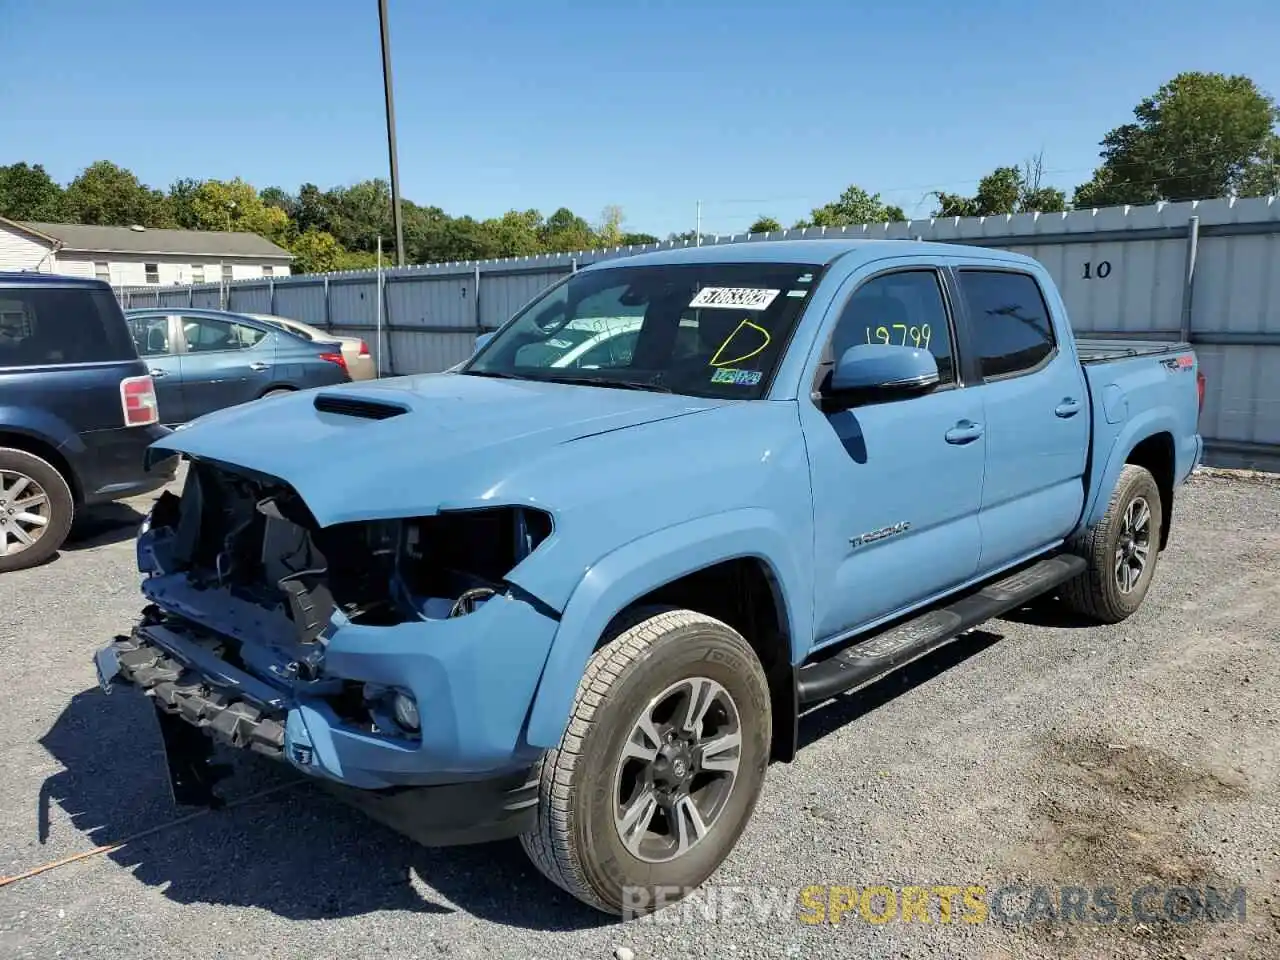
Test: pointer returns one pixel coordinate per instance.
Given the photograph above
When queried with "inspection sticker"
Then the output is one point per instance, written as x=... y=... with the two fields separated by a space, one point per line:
x=740 y=378
x=734 y=298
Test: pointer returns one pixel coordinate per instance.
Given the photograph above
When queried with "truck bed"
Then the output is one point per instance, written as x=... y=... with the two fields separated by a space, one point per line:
x=1098 y=350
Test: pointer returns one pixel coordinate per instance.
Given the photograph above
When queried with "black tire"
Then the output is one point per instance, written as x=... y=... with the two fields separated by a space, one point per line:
x=1097 y=593
x=576 y=843
x=60 y=512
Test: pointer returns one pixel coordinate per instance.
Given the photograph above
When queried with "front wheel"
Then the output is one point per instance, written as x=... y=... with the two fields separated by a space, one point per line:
x=1121 y=551
x=660 y=767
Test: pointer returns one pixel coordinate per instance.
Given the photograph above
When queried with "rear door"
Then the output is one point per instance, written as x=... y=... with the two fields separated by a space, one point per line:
x=225 y=362
x=1035 y=406
x=156 y=341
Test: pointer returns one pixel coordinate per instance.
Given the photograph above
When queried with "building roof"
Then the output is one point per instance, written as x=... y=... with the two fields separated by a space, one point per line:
x=85 y=238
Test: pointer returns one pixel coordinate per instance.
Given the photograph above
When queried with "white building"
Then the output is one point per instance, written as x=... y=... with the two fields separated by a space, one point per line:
x=139 y=256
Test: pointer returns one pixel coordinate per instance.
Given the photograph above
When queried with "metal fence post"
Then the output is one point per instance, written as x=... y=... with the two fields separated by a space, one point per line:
x=1189 y=278
x=328 y=321
x=386 y=326
x=271 y=293
x=476 y=305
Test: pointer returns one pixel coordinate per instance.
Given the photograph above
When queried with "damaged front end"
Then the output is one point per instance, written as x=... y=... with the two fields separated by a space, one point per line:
x=377 y=655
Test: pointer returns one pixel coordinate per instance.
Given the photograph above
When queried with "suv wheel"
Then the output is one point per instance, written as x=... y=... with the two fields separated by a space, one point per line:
x=36 y=508
x=660 y=767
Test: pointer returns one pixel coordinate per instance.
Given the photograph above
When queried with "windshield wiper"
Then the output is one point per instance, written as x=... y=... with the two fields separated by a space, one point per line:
x=500 y=375
x=653 y=386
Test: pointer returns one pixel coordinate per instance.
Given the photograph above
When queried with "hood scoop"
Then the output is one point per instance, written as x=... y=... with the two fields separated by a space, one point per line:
x=358 y=407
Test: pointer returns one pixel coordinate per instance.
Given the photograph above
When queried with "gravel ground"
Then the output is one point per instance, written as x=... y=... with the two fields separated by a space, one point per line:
x=1059 y=755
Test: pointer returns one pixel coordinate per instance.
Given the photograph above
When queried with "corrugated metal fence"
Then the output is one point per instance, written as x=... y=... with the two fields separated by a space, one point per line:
x=1201 y=271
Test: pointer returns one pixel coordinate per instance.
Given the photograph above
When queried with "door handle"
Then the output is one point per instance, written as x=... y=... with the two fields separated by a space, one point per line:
x=1069 y=407
x=966 y=431
x=259 y=366
x=157 y=373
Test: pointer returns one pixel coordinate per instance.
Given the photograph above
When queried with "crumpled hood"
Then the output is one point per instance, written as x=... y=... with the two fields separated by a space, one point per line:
x=460 y=437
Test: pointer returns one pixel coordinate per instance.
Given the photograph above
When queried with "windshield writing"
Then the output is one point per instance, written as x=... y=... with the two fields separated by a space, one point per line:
x=710 y=330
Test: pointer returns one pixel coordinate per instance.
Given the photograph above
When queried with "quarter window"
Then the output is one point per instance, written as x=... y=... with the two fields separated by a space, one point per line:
x=1012 y=332
x=906 y=309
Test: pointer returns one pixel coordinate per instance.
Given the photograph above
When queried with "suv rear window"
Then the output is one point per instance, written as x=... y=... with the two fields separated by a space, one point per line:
x=41 y=326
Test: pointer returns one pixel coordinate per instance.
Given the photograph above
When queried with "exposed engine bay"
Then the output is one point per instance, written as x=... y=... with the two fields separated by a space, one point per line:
x=256 y=539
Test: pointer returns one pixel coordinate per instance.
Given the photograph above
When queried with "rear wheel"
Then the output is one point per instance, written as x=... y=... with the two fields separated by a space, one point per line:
x=660 y=767
x=36 y=509
x=1121 y=550
x=277 y=392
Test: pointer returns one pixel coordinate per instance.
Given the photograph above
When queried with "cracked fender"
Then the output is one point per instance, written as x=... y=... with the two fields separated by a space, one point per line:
x=631 y=571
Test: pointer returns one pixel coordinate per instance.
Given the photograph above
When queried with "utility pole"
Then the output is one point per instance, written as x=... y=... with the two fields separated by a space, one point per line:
x=391 y=131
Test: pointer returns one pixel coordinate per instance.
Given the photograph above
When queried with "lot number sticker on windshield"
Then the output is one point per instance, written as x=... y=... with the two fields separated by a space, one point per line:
x=734 y=298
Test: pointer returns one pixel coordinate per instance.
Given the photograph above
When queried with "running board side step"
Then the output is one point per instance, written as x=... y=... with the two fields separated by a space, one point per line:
x=880 y=654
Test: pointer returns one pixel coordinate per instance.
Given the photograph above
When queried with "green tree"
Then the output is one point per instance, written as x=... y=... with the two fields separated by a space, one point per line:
x=637 y=239
x=854 y=207
x=27 y=192
x=609 y=233
x=281 y=198
x=113 y=196
x=235 y=205
x=1262 y=177
x=181 y=193
x=1198 y=136
x=764 y=225
x=316 y=252
x=313 y=212
x=360 y=213
x=514 y=234
x=1003 y=191
x=566 y=232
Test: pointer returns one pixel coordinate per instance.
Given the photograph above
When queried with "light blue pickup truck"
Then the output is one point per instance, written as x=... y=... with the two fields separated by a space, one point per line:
x=584 y=604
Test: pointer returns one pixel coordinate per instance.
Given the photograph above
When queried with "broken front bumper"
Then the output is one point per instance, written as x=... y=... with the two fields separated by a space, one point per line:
x=466 y=777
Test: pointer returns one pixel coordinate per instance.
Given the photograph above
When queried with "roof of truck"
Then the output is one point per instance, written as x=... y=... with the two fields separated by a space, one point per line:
x=809 y=251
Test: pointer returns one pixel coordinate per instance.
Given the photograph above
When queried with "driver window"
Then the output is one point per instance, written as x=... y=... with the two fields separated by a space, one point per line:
x=906 y=309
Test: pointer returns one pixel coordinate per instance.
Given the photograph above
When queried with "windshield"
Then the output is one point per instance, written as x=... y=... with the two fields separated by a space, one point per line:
x=705 y=329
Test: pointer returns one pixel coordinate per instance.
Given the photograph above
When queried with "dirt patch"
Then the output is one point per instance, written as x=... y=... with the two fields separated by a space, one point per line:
x=1111 y=822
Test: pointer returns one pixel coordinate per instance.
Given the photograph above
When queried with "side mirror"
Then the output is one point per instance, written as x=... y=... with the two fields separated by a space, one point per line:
x=482 y=340
x=878 y=371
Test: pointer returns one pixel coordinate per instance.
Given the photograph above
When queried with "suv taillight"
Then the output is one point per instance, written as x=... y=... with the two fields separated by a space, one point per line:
x=1200 y=389
x=364 y=349
x=138 y=400
x=337 y=358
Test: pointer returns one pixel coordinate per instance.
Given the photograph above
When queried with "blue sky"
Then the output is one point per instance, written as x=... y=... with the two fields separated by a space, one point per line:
x=751 y=107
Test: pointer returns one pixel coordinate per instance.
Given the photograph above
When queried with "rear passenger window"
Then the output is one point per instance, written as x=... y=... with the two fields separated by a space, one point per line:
x=208 y=335
x=52 y=325
x=1012 y=333
x=904 y=308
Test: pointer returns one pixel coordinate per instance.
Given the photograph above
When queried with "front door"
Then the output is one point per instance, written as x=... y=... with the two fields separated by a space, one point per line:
x=896 y=485
x=153 y=335
x=225 y=363
x=1036 y=408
